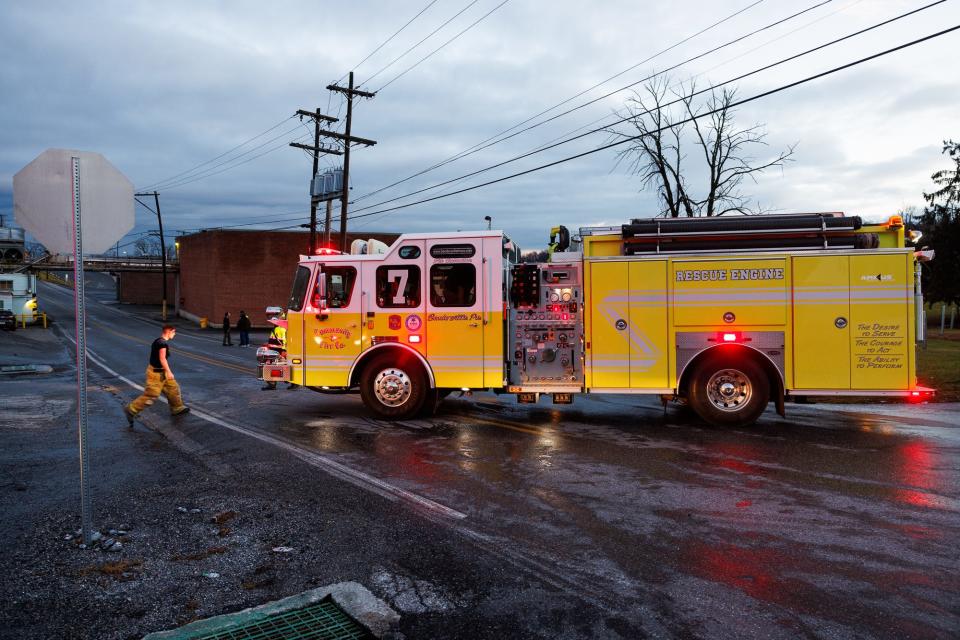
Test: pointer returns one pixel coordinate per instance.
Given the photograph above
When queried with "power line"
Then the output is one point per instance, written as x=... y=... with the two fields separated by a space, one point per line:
x=382 y=44
x=424 y=58
x=780 y=37
x=717 y=66
x=428 y=36
x=478 y=146
x=210 y=172
x=625 y=119
x=691 y=119
x=498 y=140
x=202 y=164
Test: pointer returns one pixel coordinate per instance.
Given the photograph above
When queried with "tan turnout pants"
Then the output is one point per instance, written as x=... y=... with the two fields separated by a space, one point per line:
x=156 y=383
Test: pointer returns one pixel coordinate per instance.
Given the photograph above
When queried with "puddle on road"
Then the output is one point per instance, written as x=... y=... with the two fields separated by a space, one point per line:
x=32 y=411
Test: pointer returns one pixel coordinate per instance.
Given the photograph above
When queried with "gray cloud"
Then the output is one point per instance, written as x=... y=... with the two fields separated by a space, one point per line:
x=158 y=88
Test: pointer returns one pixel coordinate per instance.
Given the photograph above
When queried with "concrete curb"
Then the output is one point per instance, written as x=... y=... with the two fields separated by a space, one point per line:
x=352 y=597
x=22 y=369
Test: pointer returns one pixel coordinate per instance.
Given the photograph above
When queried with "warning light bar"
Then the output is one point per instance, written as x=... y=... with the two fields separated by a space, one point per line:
x=326 y=251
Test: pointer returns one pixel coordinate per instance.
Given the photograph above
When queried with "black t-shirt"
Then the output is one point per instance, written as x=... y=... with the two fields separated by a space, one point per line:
x=155 y=348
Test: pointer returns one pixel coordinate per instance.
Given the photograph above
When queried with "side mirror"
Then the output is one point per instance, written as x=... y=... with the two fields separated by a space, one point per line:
x=322 y=295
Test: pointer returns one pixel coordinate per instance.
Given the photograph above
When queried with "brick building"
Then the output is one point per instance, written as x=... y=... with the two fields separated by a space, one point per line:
x=146 y=287
x=227 y=270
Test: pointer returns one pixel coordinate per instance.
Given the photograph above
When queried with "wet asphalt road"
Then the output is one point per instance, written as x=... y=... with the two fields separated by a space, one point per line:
x=838 y=524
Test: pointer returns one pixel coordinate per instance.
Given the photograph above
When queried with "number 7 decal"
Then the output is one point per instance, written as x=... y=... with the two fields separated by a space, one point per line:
x=400 y=276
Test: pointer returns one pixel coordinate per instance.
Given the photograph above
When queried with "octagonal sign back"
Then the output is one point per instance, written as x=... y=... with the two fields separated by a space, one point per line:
x=43 y=201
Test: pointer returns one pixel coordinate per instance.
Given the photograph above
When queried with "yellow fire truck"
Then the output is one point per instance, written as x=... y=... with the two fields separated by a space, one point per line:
x=726 y=313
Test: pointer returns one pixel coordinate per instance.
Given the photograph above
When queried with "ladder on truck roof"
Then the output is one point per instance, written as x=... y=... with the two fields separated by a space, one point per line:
x=797 y=231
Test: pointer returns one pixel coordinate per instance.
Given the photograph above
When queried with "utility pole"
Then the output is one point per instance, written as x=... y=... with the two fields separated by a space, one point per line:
x=317 y=150
x=163 y=247
x=327 y=222
x=350 y=92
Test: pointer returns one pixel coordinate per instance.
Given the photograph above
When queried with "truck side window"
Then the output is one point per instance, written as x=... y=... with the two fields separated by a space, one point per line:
x=453 y=285
x=398 y=286
x=339 y=287
x=299 y=291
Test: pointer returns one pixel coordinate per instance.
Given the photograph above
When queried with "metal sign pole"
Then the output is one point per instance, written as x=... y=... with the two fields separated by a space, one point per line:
x=81 y=328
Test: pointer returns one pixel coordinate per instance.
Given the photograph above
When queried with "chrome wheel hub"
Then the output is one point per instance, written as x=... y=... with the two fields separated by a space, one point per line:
x=392 y=387
x=729 y=390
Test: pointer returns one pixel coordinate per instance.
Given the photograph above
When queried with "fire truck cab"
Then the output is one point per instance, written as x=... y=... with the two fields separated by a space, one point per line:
x=403 y=326
x=728 y=314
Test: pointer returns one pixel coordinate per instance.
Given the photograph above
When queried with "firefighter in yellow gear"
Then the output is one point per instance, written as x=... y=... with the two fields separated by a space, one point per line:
x=160 y=379
x=278 y=339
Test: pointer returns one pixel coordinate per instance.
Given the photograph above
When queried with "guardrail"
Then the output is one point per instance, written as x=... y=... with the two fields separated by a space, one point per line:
x=40 y=317
x=150 y=264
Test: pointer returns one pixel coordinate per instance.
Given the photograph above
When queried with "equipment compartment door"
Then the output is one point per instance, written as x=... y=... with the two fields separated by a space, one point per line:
x=609 y=335
x=648 y=325
x=880 y=291
x=821 y=322
x=455 y=300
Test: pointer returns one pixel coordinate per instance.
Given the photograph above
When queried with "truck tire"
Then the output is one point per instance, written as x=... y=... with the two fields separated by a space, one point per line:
x=393 y=387
x=728 y=392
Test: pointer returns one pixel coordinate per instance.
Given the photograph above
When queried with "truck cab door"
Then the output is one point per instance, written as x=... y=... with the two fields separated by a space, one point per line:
x=332 y=326
x=455 y=313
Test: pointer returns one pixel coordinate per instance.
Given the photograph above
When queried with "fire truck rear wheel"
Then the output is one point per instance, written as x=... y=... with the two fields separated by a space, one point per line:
x=729 y=393
x=393 y=388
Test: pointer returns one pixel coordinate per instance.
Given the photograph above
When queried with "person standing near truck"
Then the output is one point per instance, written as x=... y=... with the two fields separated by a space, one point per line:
x=243 y=326
x=160 y=379
x=227 y=342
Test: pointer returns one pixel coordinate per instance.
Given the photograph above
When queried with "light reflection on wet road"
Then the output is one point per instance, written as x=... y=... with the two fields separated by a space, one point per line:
x=826 y=523
x=813 y=525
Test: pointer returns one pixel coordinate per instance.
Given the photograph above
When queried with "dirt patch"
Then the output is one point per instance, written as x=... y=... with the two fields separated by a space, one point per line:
x=200 y=555
x=120 y=570
x=224 y=517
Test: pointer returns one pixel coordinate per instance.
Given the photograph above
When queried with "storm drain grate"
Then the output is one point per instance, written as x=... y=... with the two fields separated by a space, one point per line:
x=321 y=621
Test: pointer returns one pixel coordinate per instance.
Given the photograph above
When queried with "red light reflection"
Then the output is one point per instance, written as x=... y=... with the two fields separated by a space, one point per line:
x=915 y=463
x=743 y=568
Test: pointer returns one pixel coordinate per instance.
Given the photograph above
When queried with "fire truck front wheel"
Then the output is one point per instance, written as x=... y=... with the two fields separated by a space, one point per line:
x=729 y=393
x=393 y=387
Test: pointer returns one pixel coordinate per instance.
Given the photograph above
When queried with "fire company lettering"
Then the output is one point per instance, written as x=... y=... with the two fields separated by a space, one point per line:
x=723 y=275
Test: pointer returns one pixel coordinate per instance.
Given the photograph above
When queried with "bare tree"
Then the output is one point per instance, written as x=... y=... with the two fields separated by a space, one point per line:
x=147 y=246
x=658 y=118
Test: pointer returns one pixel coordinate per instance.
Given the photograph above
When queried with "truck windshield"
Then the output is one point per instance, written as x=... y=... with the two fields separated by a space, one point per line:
x=299 y=291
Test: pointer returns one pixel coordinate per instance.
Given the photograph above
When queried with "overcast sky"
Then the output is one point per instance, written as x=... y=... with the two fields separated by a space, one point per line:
x=160 y=87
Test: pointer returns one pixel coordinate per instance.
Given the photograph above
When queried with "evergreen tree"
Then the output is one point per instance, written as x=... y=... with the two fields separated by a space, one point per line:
x=940 y=224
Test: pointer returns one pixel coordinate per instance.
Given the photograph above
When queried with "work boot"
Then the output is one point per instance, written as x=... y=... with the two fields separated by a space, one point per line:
x=130 y=415
x=270 y=386
x=181 y=411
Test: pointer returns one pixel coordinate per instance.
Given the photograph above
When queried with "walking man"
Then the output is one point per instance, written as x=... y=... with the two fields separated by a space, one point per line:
x=227 y=342
x=159 y=379
x=243 y=326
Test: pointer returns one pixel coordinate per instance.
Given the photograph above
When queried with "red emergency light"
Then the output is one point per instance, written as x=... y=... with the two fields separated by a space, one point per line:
x=730 y=336
x=326 y=251
x=920 y=395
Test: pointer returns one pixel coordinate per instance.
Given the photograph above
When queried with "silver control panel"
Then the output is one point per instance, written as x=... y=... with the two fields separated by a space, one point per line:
x=545 y=326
